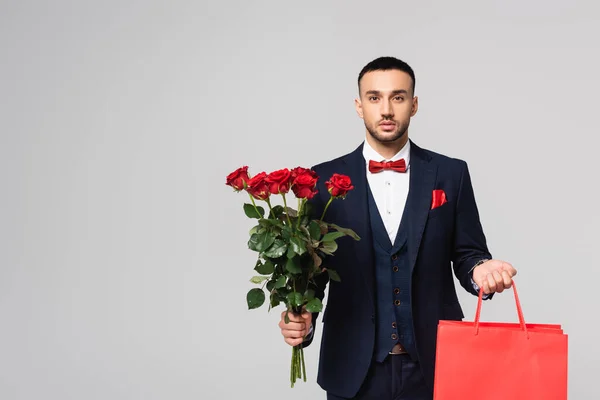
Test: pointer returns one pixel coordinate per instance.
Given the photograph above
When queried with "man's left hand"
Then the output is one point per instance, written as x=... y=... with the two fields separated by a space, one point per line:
x=494 y=276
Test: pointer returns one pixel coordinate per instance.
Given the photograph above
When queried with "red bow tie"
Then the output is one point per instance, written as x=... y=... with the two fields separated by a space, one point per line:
x=377 y=166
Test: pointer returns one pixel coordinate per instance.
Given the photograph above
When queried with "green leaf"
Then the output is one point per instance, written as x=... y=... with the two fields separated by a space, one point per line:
x=254 y=230
x=298 y=245
x=295 y=299
x=281 y=282
x=277 y=211
x=261 y=241
x=309 y=294
x=315 y=230
x=271 y=284
x=304 y=234
x=258 y=279
x=274 y=300
x=314 y=305
x=346 y=231
x=332 y=236
x=255 y=298
x=286 y=233
x=251 y=211
x=290 y=252
x=277 y=249
x=328 y=247
x=291 y=212
x=267 y=222
x=265 y=269
x=333 y=275
x=292 y=266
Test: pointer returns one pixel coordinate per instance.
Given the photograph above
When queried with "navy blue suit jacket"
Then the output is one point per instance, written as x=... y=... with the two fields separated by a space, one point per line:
x=445 y=239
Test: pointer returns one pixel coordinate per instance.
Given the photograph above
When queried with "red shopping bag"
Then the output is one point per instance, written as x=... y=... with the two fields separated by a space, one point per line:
x=500 y=361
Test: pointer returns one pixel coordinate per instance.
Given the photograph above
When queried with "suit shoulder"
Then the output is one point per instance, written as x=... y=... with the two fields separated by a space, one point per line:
x=334 y=162
x=445 y=160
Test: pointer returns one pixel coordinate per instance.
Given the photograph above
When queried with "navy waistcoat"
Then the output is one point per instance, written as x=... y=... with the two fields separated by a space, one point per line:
x=392 y=278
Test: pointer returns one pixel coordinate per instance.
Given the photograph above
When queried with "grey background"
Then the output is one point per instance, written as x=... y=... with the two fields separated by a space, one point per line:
x=123 y=259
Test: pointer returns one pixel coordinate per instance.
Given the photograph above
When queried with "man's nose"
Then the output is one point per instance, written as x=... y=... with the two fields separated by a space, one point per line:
x=386 y=109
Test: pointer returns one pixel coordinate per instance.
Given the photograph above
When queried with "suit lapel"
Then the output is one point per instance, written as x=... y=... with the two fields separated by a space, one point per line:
x=422 y=180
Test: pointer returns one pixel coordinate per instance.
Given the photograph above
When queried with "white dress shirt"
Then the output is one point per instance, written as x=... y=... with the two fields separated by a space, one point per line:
x=389 y=188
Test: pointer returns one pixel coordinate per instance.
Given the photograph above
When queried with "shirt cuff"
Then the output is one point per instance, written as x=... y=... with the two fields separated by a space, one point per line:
x=475 y=286
x=309 y=334
x=484 y=296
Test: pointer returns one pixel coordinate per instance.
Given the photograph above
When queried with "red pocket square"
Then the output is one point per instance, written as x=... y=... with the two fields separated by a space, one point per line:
x=439 y=198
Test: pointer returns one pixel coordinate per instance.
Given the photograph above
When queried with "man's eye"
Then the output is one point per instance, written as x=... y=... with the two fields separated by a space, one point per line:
x=398 y=98
x=372 y=98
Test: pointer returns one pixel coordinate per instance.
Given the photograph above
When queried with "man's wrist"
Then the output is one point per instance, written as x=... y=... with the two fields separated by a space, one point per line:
x=477 y=264
x=475 y=285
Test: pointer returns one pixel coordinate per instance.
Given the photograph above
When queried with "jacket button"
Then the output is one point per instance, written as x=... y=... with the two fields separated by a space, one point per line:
x=396 y=291
x=395 y=257
x=394 y=325
x=397 y=302
x=394 y=336
x=395 y=268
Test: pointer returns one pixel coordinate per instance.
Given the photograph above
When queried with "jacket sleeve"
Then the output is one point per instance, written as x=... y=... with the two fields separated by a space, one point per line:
x=469 y=240
x=317 y=205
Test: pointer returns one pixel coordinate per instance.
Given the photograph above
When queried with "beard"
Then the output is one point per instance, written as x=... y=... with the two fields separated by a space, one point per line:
x=387 y=137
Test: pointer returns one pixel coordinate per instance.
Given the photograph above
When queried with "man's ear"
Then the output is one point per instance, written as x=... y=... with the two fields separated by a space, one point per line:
x=358 y=106
x=415 y=106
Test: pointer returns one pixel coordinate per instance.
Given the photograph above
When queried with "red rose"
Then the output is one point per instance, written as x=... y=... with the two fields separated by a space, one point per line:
x=297 y=171
x=257 y=187
x=305 y=183
x=238 y=178
x=339 y=185
x=279 y=181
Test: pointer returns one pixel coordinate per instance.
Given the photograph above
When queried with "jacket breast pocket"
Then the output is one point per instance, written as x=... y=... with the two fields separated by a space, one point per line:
x=444 y=209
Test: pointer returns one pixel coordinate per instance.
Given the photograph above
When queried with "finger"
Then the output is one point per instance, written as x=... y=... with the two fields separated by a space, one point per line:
x=292 y=326
x=499 y=281
x=294 y=342
x=507 y=279
x=293 y=334
x=491 y=283
x=486 y=287
x=509 y=268
x=307 y=317
x=292 y=317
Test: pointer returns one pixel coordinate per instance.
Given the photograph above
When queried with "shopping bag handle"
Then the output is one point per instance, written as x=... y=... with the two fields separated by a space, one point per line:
x=519 y=310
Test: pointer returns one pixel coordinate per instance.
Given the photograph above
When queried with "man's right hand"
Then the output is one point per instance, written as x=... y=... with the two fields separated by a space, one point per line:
x=298 y=327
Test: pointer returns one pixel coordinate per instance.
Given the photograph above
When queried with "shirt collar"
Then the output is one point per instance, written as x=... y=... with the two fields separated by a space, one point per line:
x=370 y=154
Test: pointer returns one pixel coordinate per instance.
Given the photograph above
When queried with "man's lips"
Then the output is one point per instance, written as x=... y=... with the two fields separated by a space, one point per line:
x=387 y=125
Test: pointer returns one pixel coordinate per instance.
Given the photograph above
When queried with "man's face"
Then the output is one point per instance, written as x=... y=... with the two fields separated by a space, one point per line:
x=386 y=104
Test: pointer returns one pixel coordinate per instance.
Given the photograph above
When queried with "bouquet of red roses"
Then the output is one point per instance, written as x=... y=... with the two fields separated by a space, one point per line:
x=290 y=243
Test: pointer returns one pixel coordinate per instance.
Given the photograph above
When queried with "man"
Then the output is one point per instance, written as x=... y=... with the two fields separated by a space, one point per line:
x=416 y=215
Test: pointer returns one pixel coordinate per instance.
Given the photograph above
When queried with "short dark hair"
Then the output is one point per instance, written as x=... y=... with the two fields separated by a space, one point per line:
x=386 y=64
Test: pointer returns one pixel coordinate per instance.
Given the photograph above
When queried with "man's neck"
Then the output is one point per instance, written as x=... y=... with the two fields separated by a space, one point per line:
x=389 y=149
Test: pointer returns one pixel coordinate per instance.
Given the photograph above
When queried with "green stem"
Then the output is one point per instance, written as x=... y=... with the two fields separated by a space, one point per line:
x=286 y=211
x=292 y=367
x=298 y=365
x=327 y=206
x=269 y=204
x=254 y=204
x=301 y=203
x=303 y=364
